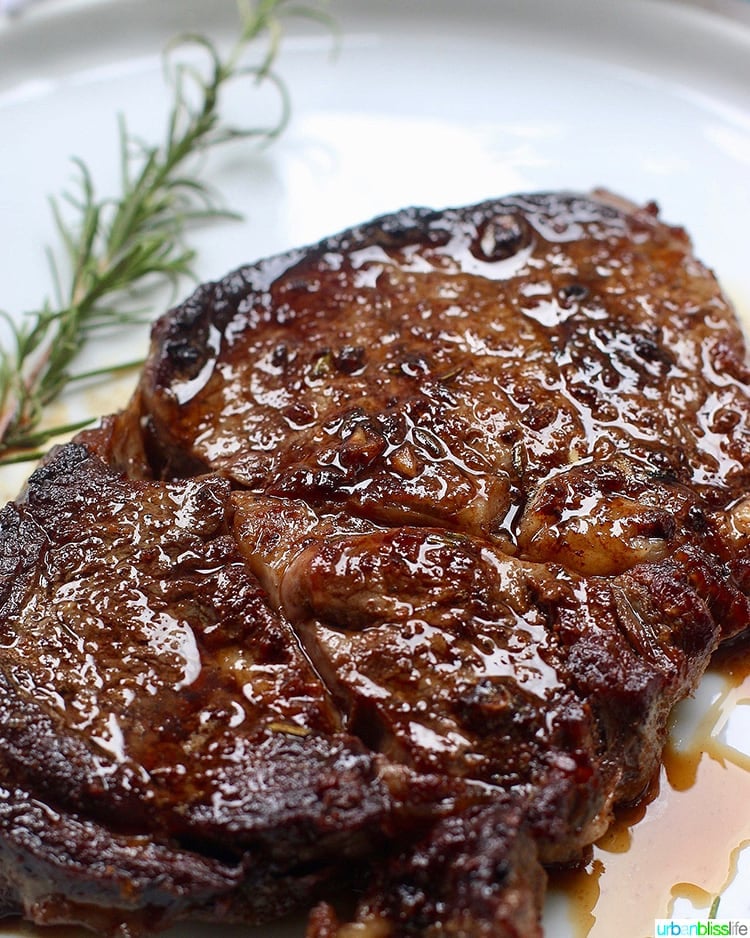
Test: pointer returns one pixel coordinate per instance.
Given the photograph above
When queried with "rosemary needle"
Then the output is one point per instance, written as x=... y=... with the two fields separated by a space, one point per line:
x=115 y=247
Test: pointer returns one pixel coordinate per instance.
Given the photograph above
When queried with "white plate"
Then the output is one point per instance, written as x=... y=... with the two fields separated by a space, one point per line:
x=427 y=101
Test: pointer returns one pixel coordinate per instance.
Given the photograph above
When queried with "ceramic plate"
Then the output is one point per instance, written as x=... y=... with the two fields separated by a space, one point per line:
x=433 y=103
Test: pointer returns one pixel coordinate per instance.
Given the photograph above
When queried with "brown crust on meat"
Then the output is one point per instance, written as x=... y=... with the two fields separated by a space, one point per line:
x=402 y=553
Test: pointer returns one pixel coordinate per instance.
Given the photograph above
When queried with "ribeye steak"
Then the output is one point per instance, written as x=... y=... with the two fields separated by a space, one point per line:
x=387 y=579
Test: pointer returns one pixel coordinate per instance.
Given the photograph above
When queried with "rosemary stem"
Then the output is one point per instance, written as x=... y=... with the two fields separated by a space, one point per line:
x=117 y=246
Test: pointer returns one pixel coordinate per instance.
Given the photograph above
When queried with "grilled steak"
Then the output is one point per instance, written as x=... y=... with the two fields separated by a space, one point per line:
x=161 y=730
x=390 y=574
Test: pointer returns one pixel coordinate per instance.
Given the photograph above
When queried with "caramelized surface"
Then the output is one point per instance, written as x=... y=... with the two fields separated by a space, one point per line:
x=391 y=572
x=437 y=367
x=157 y=708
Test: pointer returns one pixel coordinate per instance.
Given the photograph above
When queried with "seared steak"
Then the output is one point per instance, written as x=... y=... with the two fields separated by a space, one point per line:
x=442 y=366
x=161 y=730
x=389 y=575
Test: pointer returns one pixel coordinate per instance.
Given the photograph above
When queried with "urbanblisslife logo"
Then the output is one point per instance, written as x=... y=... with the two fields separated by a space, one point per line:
x=710 y=928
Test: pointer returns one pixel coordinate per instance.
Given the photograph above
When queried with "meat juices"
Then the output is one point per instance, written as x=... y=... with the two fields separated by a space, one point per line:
x=387 y=578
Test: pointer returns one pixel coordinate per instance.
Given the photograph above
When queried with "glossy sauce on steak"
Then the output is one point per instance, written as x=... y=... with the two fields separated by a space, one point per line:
x=389 y=575
x=440 y=366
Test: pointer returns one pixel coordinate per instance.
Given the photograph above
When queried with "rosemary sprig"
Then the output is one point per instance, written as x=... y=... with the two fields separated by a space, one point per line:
x=117 y=247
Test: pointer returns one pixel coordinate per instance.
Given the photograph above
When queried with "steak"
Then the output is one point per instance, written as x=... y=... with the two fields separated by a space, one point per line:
x=385 y=582
x=136 y=768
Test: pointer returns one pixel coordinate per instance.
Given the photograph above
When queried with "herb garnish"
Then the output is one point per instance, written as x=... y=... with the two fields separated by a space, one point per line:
x=116 y=247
